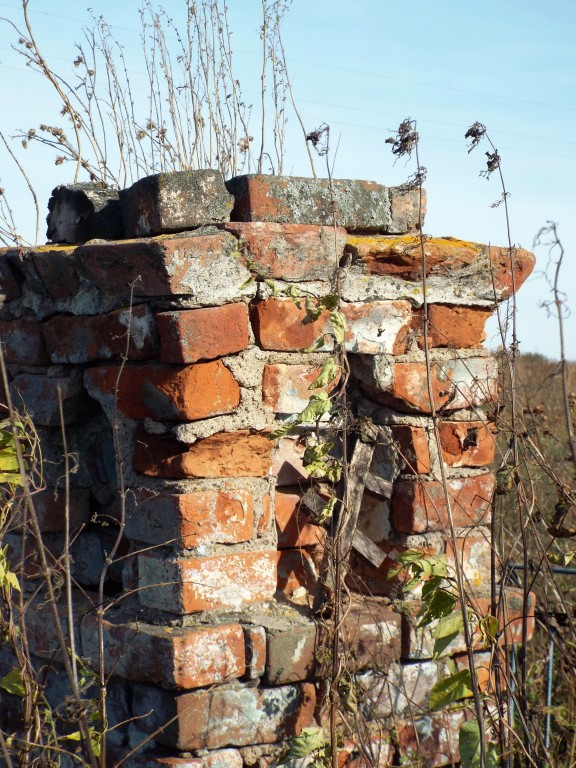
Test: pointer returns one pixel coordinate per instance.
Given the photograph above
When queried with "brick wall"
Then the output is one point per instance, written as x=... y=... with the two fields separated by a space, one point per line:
x=175 y=352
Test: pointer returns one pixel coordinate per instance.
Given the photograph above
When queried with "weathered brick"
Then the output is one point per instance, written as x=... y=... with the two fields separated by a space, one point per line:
x=369 y=751
x=293 y=526
x=174 y=202
x=265 y=519
x=58 y=268
x=129 y=333
x=286 y=388
x=255 y=639
x=198 y=265
x=290 y=653
x=221 y=717
x=475 y=557
x=467 y=443
x=9 y=279
x=83 y=211
x=280 y=325
x=187 y=520
x=289 y=251
x=452 y=326
x=419 y=506
x=217 y=758
x=288 y=460
x=413 y=448
x=171 y=657
x=186 y=585
x=297 y=568
x=377 y=327
x=397 y=689
x=432 y=738
x=418 y=642
x=225 y=454
x=170 y=393
x=455 y=383
x=371 y=633
x=401 y=257
x=40 y=396
x=23 y=342
x=355 y=205
x=50 y=509
x=202 y=334
x=373 y=328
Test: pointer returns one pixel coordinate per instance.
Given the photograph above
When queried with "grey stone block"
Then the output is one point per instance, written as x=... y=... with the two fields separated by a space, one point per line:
x=81 y=212
x=174 y=202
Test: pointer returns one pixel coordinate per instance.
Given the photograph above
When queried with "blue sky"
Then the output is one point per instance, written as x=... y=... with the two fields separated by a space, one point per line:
x=364 y=67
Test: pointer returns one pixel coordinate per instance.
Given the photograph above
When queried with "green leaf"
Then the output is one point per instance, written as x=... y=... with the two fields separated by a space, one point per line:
x=12 y=683
x=451 y=689
x=339 y=326
x=446 y=631
x=310 y=740
x=330 y=371
x=326 y=512
x=489 y=626
x=317 y=406
x=437 y=602
x=469 y=742
x=282 y=431
x=330 y=301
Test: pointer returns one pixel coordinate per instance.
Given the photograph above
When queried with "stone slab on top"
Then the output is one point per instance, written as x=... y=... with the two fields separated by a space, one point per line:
x=359 y=206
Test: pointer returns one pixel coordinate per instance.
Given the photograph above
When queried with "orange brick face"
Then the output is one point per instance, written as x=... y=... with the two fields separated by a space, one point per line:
x=202 y=334
x=279 y=325
x=421 y=506
x=467 y=443
x=226 y=454
x=187 y=520
x=187 y=585
x=168 y=393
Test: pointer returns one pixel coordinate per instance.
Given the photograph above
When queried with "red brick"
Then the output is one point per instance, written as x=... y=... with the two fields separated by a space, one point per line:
x=288 y=462
x=200 y=265
x=455 y=383
x=413 y=448
x=168 y=393
x=265 y=519
x=225 y=454
x=129 y=333
x=421 y=505
x=379 y=749
x=187 y=520
x=445 y=256
x=23 y=342
x=255 y=638
x=172 y=657
x=467 y=443
x=218 y=758
x=452 y=326
x=58 y=270
x=293 y=526
x=187 y=585
x=433 y=738
x=354 y=204
x=474 y=554
x=279 y=325
x=50 y=509
x=371 y=631
x=220 y=717
x=202 y=334
x=289 y=251
x=286 y=388
x=377 y=327
x=297 y=568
